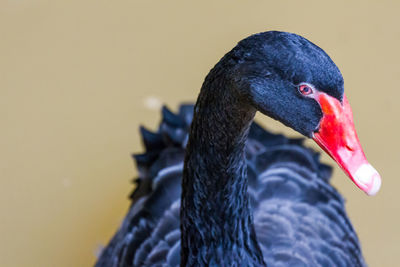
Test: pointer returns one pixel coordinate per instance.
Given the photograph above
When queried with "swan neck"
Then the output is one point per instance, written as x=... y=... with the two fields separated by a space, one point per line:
x=216 y=220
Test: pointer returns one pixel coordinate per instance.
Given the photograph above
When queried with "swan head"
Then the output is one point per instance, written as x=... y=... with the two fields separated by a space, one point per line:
x=290 y=79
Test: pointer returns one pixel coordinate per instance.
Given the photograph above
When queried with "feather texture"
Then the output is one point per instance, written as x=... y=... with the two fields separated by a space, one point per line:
x=299 y=218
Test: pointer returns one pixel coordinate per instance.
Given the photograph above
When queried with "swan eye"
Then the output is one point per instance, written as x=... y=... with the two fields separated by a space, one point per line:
x=305 y=89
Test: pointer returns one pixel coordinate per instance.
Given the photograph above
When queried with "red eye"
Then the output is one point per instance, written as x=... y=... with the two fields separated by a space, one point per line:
x=305 y=89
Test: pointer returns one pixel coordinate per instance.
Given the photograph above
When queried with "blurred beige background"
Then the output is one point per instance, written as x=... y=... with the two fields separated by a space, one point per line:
x=77 y=78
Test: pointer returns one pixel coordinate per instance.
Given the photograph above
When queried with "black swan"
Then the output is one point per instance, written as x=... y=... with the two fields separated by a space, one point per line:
x=215 y=189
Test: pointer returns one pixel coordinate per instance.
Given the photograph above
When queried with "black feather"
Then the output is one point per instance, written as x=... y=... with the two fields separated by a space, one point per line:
x=216 y=189
x=289 y=193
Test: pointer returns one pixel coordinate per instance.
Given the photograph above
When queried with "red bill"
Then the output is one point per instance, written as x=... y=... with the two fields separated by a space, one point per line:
x=338 y=137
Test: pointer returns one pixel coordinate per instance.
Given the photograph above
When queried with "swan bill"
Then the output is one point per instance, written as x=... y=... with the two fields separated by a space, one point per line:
x=337 y=136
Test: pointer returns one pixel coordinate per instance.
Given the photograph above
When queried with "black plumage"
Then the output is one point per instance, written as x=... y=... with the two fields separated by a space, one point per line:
x=218 y=190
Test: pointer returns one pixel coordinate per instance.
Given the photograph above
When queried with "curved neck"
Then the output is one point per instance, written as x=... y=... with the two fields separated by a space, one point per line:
x=216 y=220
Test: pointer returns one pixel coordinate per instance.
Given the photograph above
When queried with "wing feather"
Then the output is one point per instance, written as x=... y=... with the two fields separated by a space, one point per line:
x=299 y=218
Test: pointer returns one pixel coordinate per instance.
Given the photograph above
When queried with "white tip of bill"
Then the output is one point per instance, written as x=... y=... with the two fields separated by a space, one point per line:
x=368 y=179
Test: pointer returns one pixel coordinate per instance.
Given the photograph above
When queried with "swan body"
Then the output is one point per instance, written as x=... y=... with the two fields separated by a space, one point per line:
x=216 y=189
